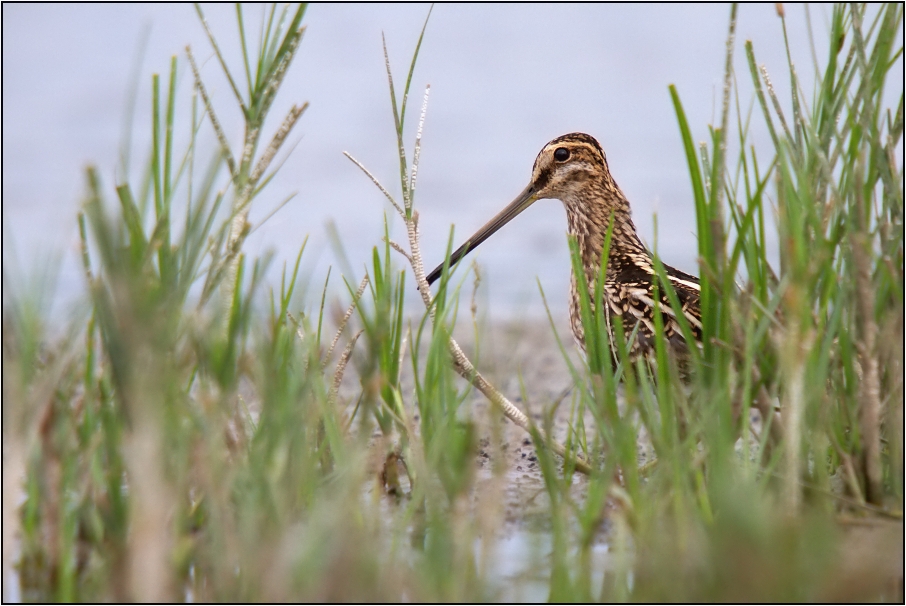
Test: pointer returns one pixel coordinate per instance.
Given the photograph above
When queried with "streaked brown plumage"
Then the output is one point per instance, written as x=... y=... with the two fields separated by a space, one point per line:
x=573 y=169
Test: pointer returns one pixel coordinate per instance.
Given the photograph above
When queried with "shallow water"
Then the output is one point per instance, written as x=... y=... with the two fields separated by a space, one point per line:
x=520 y=569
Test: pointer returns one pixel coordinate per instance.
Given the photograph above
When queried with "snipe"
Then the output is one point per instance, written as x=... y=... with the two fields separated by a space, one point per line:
x=573 y=169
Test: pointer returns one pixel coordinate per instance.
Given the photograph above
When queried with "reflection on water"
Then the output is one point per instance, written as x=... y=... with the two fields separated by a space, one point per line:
x=520 y=568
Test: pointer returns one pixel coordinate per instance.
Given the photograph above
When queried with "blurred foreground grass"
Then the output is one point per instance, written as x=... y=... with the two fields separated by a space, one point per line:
x=190 y=439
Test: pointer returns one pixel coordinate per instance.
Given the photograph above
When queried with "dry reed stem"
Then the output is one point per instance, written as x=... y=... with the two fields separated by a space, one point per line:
x=341 y=367
x=345 y=320
x=277 y=142
x=407 y=200
x=399 y=249
x=150 y=543
x=378 y=184
x=218 y=130
x=869 y=385
x=794 y=351
x=717 y=225
x=775 y=101
x=416 y=155
x=276 y=77
x=849 y=471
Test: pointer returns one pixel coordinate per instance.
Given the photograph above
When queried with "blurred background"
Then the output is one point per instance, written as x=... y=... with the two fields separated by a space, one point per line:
x=504 y=80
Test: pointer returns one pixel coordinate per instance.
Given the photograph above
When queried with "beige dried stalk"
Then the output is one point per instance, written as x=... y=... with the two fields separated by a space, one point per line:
x=341 y=367
x=344 y=321
x=870 y=383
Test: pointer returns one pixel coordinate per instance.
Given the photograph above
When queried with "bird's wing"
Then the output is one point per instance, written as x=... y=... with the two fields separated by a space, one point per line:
x=632 y=296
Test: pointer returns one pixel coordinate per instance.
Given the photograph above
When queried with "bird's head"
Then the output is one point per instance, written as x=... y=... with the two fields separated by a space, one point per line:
x=571 y=168
x=567 y=166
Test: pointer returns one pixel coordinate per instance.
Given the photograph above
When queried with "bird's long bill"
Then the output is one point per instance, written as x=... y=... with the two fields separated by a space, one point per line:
x=522 y=201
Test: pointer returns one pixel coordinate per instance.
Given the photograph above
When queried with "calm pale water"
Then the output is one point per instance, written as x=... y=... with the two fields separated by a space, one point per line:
x=504 y=80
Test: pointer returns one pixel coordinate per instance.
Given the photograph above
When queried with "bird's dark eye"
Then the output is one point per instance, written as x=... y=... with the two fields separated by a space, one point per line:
x=561 y=154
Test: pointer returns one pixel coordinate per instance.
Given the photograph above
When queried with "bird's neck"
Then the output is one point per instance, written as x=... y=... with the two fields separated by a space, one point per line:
x=589 y=224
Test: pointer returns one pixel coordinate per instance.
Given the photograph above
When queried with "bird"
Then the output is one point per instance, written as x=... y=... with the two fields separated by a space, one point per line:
x=573 y=169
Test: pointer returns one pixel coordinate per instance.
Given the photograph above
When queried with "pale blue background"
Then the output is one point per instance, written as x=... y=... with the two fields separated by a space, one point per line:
x=504 y=79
